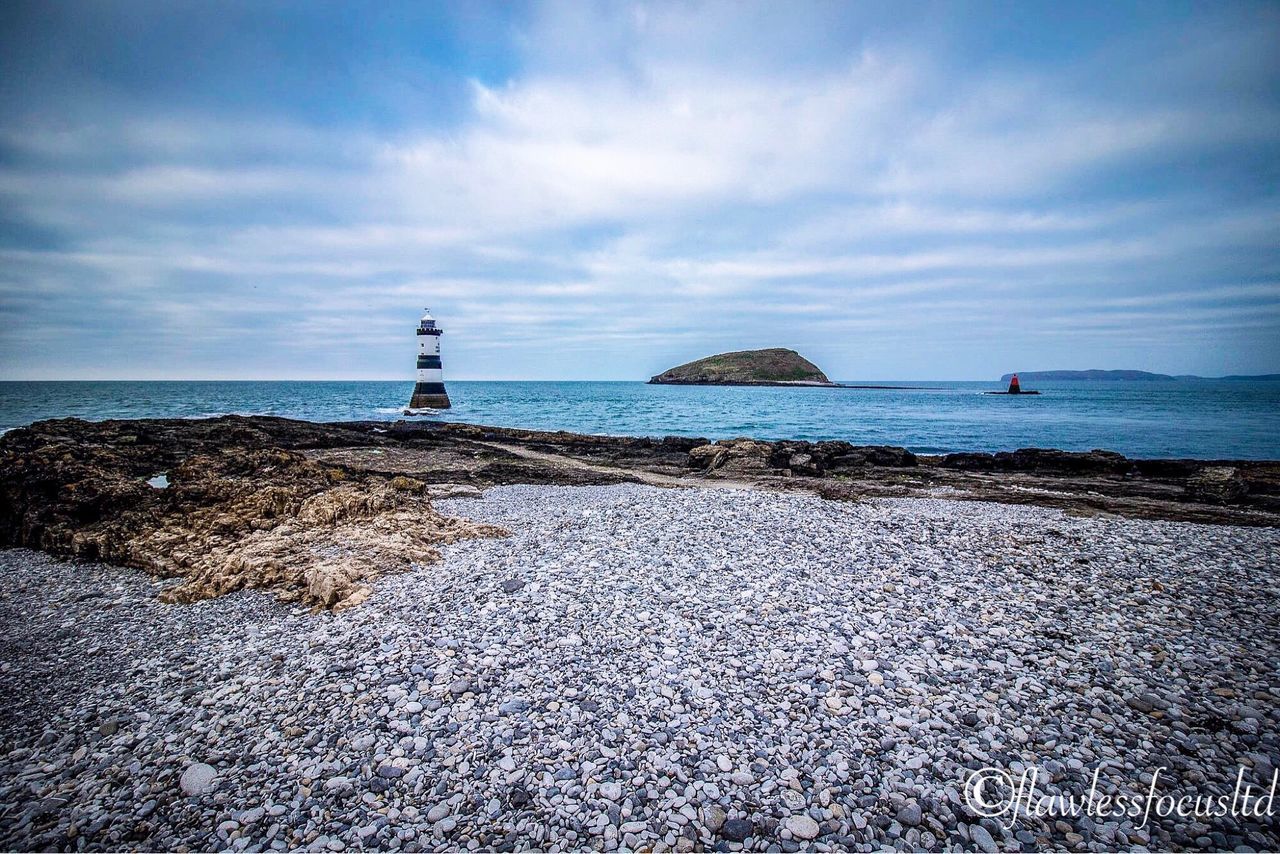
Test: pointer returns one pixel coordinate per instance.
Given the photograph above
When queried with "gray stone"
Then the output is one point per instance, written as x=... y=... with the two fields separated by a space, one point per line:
x=802 y=827
x=978 y=834
x=514 y=706
x=198 y=779
x=909 y=815
x=736 y=829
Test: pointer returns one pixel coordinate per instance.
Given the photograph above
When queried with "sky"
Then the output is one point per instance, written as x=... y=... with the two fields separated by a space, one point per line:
x=258 y=190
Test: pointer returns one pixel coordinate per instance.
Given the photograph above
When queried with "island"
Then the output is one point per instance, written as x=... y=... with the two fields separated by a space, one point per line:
x=1129 y=376
x=774 y=366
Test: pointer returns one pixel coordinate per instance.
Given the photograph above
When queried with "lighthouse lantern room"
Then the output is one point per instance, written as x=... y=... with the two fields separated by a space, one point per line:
x=428 y=392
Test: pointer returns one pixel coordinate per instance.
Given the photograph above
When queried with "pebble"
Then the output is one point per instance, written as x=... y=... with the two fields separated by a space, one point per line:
x=198 y=779
x=981 y=838
x=678 y=670
x=736 y=829
x=802 y=827
x=513 y=706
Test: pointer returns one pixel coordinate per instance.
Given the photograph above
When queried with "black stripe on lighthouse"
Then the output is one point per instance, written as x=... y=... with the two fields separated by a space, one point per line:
x=429 y=362
x=428 y=388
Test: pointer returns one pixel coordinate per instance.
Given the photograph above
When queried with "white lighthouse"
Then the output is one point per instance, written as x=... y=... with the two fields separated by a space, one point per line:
x=429 y=391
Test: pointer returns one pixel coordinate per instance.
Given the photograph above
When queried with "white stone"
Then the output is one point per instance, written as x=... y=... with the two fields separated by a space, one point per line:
x=198 y=779
x=802 y=827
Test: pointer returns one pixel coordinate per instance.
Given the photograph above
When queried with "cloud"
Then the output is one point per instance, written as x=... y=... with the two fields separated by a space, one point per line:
x=646 y=185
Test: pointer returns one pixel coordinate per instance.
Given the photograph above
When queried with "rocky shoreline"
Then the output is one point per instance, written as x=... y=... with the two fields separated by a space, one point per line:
x=64 y=482
x=439 y=637
x=313 y=511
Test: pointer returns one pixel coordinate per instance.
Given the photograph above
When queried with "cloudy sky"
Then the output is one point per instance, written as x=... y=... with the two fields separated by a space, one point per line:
x=578 y=191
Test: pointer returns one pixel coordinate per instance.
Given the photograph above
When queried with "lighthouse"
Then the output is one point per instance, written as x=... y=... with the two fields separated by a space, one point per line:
x=428 y=392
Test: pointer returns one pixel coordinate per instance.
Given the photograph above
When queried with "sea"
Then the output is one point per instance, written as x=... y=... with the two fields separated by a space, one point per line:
x=1205 y=419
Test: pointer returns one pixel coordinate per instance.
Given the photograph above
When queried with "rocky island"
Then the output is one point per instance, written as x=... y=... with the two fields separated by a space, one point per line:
x=774 y=366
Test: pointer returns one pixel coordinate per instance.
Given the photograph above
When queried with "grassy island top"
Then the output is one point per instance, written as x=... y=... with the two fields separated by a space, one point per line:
x=747 y=367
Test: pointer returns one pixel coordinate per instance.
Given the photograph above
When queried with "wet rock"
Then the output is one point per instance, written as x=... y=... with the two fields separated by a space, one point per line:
x=1042 y=460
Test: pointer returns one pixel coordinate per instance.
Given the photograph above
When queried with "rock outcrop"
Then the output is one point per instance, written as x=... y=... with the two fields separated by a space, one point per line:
x=243 y=515
x=1042 y=460
x=775 y=366
x=733 y=456
x=1217 y=485
x=806 y=459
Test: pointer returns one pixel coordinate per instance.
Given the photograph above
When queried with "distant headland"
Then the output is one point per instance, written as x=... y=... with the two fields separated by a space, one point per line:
x=774 y=366
x=1128 y=376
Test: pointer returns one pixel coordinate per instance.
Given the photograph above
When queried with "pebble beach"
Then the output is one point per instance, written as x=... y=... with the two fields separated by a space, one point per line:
x=662 y=669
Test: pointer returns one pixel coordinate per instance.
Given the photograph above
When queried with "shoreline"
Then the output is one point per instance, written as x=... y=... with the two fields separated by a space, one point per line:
x=1226 y=491
x=316 y=512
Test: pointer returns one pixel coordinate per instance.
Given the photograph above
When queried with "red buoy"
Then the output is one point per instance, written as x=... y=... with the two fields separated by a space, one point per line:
x=1014 y=388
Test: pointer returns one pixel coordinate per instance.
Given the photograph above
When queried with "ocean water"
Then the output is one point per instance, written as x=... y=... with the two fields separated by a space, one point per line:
x=1204 y=419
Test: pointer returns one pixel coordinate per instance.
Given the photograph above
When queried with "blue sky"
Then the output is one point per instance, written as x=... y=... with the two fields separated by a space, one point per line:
x=600 y=191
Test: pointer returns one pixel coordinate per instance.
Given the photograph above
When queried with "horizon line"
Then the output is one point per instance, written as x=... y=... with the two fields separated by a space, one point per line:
x=545 y=380
x=399 y=380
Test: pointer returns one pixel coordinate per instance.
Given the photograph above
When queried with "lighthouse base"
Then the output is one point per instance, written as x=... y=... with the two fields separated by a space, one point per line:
x=429 y=396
